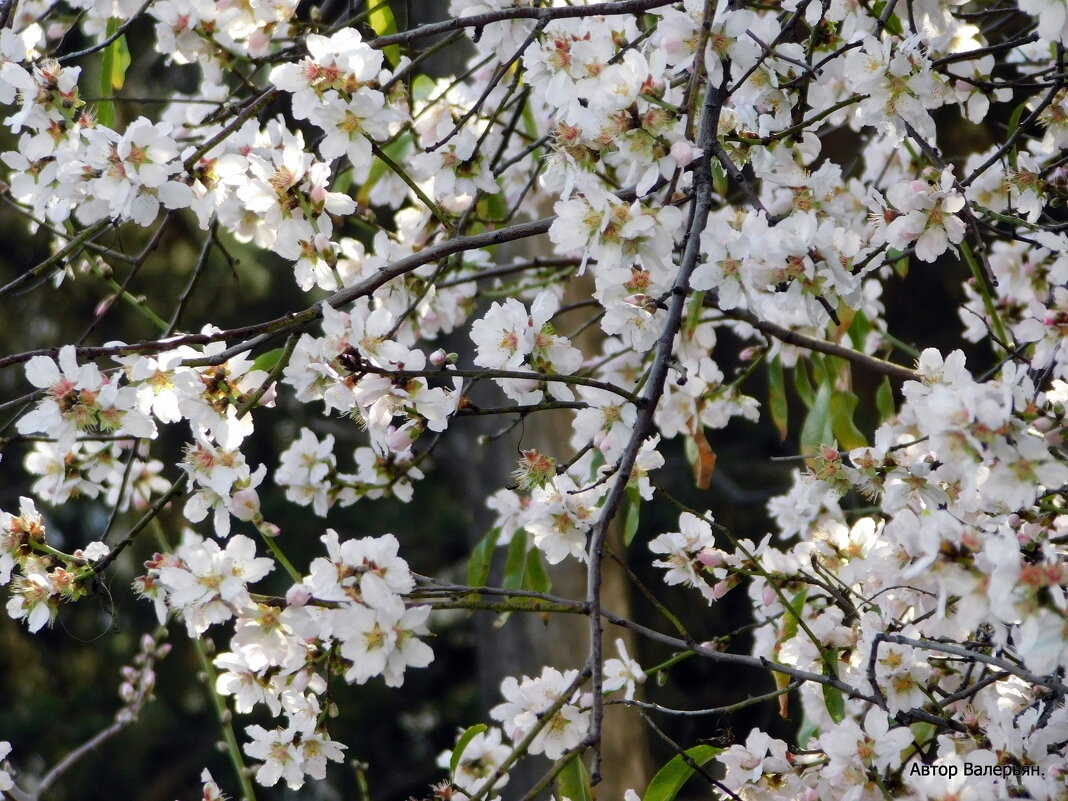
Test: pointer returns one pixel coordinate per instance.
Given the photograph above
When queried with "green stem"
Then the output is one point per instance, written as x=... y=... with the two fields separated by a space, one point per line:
x=233 y=749
x=984 y=292
x=419 y=193
x=281 y=557
x=667 y=663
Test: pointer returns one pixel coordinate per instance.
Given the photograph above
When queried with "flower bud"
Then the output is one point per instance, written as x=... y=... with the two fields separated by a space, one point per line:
x=768 y=595
x=684 y=152
x=710 y=557
x=298 y=595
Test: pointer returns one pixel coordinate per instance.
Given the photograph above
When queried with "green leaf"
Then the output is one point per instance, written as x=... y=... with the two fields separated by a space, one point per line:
x=478 y=566
x=573 y=782
x=845 y=430
x=859 y=329
x=423 y=87
x=536 y=577
x=596 y=464
x=461 y=744
x=719 y=179
x=693 y=311
x=114 y=62
x=817 y=428
x=803 y=385
x=789 y=631
x=515 y=563
x=630 y=522
x=267 y=361
x=777 y=397
x=1014 y=123
x=384 y=23
x=515 y=569
x=884 y=400
x=835 y=702
x=832 y=697
x=789 y=623
x=493 y=207
x=670 y=779
x=900 y=263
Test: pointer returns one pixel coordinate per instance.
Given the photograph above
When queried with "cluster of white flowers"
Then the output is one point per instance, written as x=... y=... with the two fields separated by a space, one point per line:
x=527 y=707
x=350 y=604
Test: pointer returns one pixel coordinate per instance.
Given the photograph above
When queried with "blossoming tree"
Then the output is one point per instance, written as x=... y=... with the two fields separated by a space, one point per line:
x=674 y=161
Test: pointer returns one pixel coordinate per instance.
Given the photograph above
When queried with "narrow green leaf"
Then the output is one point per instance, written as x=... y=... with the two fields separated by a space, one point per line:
x=1014 y=123
x=789 y=631
x=384 y=23
x=670 y=779
x=114 y=62
x=630 y=522
x=536 y=577
x=121 y=62
x=777 y=397
x=515 y=563
x=719 y=179
x=817 y=428
x=884 y=400
x=596 y=464
x=267 y=361
x=803 y=385
x=478 y=566
x=832 y=697
x=462 y=743
x=859 y=329
x=693 y=311
x=789 y=624
x=844 y=429
x=835 y=702
x=573 y=782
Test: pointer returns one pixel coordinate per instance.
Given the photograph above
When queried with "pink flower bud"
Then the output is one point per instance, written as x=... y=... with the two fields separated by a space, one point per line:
x=768 y=595
x=684 y=152
x=439 y=357
x=268 y=529
x=399 y=439
x=710 y=557
x=298 y=595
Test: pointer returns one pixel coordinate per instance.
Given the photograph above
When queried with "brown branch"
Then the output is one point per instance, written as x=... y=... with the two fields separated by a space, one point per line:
x=800 y=340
